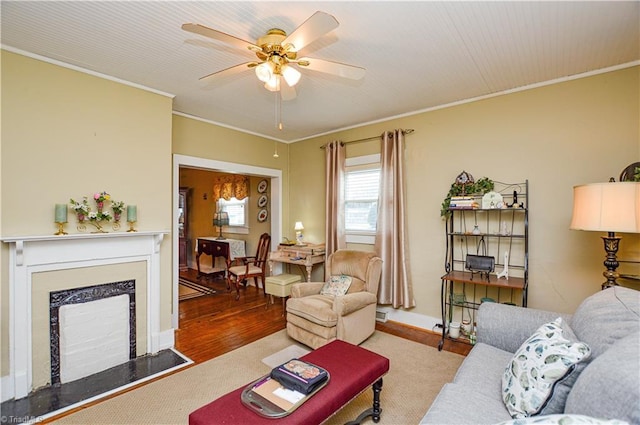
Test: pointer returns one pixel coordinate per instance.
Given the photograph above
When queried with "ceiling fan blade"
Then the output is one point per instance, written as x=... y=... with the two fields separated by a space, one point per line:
x=310 y=30
x=236 y=69
x=336 y=68
x=220 y=36
x=287 y=93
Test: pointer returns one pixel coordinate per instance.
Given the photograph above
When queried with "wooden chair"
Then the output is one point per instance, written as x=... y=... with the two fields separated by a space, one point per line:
x=251 y=267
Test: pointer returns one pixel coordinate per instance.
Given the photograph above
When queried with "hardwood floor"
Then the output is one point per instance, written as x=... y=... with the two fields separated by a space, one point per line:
x=213 y=325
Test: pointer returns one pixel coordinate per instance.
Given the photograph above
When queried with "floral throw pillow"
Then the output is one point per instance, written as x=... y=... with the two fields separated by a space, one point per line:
x=336 y=286
x=543 y=360
x=564 y=419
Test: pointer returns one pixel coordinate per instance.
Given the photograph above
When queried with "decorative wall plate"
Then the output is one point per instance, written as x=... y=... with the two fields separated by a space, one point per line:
x=262 y=201
x=629 y=173
x=262 y=186
x=262 y=215
x=491 y=200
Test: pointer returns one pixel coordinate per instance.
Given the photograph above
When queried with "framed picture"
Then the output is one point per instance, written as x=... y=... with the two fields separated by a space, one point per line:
x=262 y=186
x=262 y=215
x=262 y=201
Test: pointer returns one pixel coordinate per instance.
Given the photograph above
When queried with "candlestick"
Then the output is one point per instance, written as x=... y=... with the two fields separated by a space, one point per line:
x=60 y=229
x=61 y=218
x=61 y=213
x=131 y=229
x=132 y=213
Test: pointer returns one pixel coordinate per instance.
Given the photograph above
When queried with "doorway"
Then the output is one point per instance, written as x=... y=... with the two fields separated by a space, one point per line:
x=275 y=194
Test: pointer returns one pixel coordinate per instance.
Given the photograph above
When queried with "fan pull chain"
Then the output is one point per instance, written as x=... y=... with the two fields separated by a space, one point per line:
x=278 y=108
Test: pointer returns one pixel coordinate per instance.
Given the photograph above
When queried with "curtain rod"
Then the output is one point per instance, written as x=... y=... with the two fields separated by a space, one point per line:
x=366 y=139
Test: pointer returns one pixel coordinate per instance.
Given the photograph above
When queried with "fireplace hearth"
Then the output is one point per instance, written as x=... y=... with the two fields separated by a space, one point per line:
x=50 y=401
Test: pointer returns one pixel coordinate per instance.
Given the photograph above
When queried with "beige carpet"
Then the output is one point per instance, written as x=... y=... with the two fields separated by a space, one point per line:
x=417 y=372
x=293 y=351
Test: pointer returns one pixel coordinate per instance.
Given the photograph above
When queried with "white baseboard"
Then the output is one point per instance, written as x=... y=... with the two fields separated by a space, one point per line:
x=6 y=388
x=413 y=319
x=166 y=339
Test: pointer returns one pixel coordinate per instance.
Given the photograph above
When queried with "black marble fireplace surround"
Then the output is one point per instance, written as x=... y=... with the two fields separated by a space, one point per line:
x=87 y=294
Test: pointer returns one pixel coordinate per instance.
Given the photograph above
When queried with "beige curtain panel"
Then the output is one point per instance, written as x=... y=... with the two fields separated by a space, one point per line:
x=230 y=186
x=392 y=244
x=334 y=209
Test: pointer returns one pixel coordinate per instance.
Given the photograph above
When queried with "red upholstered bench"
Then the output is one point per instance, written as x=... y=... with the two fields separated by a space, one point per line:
x=353 y=369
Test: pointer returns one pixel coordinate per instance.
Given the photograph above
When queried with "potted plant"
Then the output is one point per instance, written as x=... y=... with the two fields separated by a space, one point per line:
x=118 y=208
x=80 y=208
x=465 y=185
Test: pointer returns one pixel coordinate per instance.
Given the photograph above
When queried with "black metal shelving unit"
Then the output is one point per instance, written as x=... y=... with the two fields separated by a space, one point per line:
x=501 y=231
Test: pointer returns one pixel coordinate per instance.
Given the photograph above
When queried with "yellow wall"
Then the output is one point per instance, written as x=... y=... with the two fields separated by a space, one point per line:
x=200 y=139
x=69 y=134
x=556 y=136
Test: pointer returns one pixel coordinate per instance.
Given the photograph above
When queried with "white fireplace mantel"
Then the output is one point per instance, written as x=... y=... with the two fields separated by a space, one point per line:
x=32 y=254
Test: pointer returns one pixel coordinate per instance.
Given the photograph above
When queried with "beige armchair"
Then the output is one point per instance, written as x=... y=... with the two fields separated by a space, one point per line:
x=315 y=319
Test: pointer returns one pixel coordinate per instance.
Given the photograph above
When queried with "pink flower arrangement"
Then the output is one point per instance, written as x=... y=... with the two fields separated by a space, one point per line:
x=101 y=197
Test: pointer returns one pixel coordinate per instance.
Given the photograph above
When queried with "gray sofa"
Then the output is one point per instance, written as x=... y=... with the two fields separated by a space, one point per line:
x=607 y=388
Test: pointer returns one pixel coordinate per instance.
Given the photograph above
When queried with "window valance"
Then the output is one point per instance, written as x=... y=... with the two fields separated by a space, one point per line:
x=230 y=186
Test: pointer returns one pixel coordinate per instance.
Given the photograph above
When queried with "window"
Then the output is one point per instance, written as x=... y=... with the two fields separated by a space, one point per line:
x=238 y=211
x=361 y=187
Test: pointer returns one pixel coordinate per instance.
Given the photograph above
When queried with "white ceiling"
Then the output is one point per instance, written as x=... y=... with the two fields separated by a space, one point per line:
x=418 y=54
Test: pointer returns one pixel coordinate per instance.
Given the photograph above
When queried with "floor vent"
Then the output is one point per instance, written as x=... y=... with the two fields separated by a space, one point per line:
x=381 y=316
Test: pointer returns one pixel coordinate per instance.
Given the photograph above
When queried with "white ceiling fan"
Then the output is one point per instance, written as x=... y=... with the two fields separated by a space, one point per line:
x=278 y=54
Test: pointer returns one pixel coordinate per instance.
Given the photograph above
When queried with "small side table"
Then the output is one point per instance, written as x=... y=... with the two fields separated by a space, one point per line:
x=229 y=249
x=280 y=286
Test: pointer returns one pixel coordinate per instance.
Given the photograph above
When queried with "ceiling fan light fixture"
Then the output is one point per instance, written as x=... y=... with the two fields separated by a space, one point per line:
x=273 y=84
x=276 y=52
x=291 y=75
x=264 y=71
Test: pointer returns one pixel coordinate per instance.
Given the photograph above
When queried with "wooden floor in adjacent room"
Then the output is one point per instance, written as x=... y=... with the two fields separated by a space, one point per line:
x=212 y=325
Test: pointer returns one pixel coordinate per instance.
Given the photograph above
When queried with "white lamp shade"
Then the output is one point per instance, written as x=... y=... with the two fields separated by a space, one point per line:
x=298 y=226
x=273 y=84
x=291 y=75
x=264 y=71
x=607 y=207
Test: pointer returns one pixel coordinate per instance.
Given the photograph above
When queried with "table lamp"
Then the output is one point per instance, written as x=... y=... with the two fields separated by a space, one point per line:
x=221 y=218
x=607 y=207
x=299 y=228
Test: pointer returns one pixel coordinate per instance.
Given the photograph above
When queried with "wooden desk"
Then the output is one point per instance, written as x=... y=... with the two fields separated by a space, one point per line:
x=307 y=256
x=229 y=249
